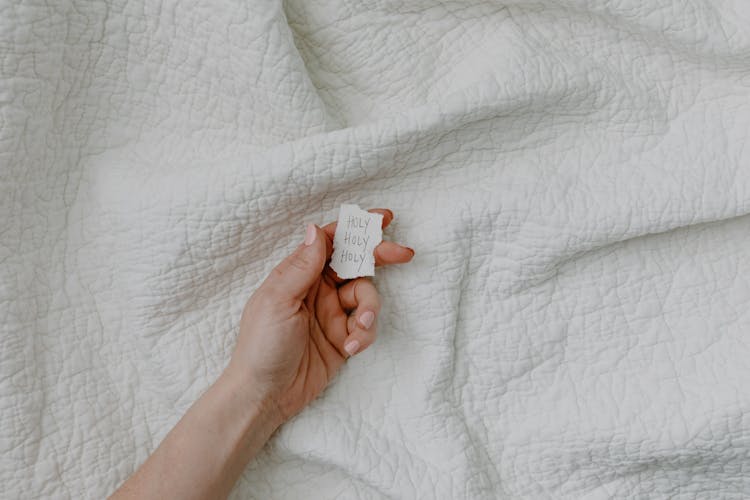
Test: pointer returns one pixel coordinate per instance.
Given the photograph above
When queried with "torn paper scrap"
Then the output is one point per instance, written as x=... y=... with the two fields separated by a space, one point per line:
x=358 y=232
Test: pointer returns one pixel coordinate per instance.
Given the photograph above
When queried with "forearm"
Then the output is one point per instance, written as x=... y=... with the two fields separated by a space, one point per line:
x=207 y=450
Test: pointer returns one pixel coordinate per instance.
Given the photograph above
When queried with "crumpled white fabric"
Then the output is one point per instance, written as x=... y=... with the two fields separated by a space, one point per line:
x=573 y=175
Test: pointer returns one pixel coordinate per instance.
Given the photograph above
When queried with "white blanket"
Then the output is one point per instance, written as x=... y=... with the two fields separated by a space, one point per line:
x=574 y=176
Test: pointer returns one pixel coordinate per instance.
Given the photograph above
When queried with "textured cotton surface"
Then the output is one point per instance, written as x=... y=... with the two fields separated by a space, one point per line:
x=573 y=175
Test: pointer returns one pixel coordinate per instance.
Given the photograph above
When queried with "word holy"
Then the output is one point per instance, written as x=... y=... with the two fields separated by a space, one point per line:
x=354 y=222
x=356 y=240
x=349 y=256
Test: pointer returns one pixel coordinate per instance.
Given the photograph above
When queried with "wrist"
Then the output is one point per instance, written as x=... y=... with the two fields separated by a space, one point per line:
x=249 y=397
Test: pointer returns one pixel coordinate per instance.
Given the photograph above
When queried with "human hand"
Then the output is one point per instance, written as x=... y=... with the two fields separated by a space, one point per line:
x=303 y=322
x=296 y=331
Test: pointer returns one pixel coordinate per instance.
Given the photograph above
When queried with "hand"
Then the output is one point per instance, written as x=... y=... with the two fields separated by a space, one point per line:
x=303 y=322
x=296 y=331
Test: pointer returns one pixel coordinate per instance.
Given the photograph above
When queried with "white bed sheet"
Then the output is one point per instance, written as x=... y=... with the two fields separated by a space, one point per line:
x=573 y=175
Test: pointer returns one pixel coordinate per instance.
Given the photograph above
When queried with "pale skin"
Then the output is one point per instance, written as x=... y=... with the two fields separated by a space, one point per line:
x=296 y=331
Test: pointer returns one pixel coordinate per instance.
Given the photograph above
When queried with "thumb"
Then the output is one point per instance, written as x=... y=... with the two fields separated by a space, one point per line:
x=294 y=276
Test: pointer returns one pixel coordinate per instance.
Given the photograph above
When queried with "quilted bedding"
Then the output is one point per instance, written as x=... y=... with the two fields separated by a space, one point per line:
x=574 y=176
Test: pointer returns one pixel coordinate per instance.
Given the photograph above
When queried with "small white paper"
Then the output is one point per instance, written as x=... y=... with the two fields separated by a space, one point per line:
x=358 y=232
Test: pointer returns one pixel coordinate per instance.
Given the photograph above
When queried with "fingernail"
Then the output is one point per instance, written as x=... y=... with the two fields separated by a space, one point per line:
x=352 y=347
x=310 y=235
x=411 y=250
x=366 y=318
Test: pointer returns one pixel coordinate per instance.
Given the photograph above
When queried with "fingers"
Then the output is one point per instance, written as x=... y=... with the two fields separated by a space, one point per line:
x=387 y=252
x=294 y=276
x=361 y=297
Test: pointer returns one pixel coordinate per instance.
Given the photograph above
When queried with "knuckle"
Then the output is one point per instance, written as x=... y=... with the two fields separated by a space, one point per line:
x=299 y=261
x=366 y=286
x=368 y=338
x=265 y=298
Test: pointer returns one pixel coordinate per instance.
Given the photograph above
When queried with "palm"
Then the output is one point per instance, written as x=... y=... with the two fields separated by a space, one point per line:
x=322 y=330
